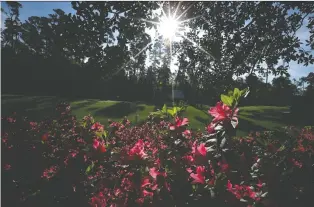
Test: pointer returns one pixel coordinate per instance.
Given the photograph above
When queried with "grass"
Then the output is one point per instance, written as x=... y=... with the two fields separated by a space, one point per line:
x=251 y=118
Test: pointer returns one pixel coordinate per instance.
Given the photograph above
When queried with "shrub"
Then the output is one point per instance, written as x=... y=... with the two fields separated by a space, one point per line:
x=161 y=162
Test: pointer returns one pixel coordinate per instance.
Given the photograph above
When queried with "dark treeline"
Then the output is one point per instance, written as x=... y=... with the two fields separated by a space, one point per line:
x=96 y=52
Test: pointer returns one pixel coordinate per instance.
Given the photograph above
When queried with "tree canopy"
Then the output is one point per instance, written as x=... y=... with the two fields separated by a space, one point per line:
x=102 y=50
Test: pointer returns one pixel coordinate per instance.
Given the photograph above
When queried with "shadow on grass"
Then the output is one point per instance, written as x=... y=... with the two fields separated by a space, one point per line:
x=274 y=116
x=83 y=104
x=248 y=126
x=119 y=110
x=202 y=120
x=34 y=108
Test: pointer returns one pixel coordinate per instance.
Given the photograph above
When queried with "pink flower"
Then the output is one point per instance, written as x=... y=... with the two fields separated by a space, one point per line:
x=187 y=133
x=154 y=173
x=97 y=127
x=189 y=158
x=199 y=176
x=223 y=166
x=102 y=148
x=44 y=137
x=222 y=112
x=11 y=120
x=250 y=192
x=99 y=200
x=259 y=184
x=210 y=128
x=139 y=201
x=179 y=123
x=200 y=150
x=145 y=182
x=147 y=193
x=33 y=125
x=50 y=172
x=212 y=181
x=296 y=163
x=137 y=150
x=7 y=167
x=229 y=186
x=95 y=144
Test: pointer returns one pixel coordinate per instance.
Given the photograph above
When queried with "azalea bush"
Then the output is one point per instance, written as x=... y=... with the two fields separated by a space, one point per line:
x=64 y=161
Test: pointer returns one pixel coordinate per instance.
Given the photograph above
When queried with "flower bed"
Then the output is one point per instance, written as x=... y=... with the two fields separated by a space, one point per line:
x=161 y=162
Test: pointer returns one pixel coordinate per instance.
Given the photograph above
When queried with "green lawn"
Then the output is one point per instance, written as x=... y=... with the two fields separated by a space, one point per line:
x=252 y=118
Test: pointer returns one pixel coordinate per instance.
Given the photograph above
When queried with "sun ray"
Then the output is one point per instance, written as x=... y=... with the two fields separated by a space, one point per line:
x=175 y=12
x=144 y=48
x=153 y=22
x=162 y=10
x=184 y=12
x=186 y=20
x=199 y=47
x=132 y=58
x=169 y=9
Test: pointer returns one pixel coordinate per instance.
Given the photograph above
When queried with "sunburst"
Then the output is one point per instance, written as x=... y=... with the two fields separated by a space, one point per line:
x=172 y=29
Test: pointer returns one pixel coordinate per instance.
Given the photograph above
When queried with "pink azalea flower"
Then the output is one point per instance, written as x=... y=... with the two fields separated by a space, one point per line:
x=97 y=127
x=229 y=186
x=7 y=167
x=95 y=144
x=223 y=166
x=44 y=137
x=102 y=148
x=187 y=133
x=11 y=120
x=189 y=170
x=147 y=193
x=179 y=123
x=222 y=112
x=210 y=128
x=145 y=182
x=50 y=172
x=154 y=173
x=259 y=184
x=199 y=176
x=200 y=150
x=137 y=150
x=189 y=158
x=296 y=163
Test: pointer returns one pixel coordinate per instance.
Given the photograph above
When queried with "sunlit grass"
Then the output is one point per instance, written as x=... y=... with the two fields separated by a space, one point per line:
x=36 y=107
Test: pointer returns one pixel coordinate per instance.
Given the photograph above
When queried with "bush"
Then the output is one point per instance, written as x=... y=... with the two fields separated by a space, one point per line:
x=68 y=162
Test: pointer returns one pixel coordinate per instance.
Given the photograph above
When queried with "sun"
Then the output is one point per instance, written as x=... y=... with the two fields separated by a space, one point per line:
x=168 y=27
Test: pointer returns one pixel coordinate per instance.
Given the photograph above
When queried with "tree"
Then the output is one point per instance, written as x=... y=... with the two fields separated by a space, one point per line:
x=11 y=33
x=283 y=90
x=242 y=37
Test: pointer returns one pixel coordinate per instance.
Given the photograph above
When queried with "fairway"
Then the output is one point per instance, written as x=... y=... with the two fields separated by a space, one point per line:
x=251 y=118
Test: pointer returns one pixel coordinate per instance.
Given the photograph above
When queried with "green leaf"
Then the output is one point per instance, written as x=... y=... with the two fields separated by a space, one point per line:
x=99 y=134
x=230 y=93
x=245 y=92
x=105 y=134
x=164 y=109
x=236 y=94
x=89 y=168
x=226 y=100
x=281 y=148
x=173 y=111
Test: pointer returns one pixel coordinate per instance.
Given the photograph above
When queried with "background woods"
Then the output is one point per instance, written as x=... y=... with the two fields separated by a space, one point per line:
x=103 y=51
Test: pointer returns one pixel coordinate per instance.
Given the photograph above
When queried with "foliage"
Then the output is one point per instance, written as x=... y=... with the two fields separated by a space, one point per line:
x=167 y=112
x=68 y=162
x=104 y=45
